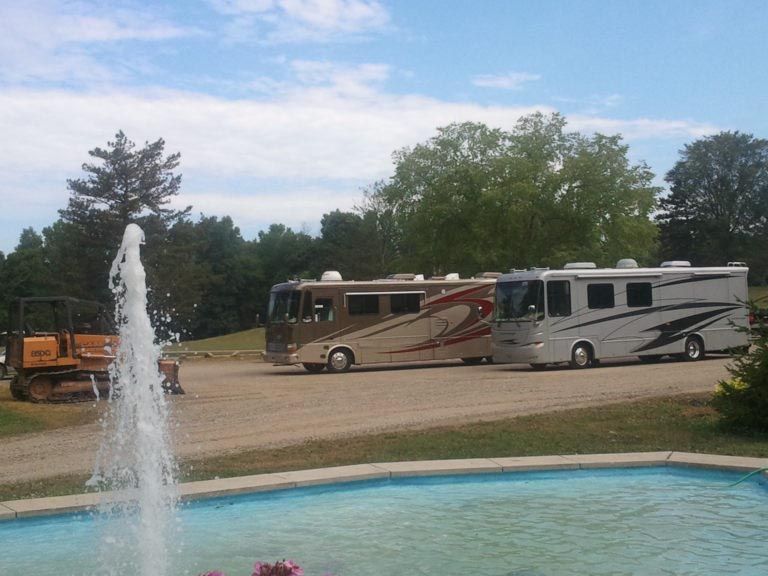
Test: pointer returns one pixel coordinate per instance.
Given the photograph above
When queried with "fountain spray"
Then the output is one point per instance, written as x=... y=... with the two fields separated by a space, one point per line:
x=135 y=467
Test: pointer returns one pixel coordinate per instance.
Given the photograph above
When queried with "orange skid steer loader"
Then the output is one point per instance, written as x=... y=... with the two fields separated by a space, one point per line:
x=61 y=349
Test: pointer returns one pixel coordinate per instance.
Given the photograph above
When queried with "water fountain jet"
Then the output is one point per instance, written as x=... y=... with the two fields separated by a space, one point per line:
x=135 y=469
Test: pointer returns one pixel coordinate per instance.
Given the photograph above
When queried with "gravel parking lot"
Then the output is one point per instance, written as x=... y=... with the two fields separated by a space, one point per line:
x=235 y=405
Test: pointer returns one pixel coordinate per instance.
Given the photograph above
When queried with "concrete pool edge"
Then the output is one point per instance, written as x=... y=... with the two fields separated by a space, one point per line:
x=49 y=506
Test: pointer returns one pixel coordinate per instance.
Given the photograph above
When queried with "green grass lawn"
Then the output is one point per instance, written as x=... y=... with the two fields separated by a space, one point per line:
x=682 y=423
x=252 y=339
x=12 y=422
x=25 y=417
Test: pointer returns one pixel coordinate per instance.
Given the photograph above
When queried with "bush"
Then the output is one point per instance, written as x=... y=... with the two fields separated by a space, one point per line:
x=743 y=400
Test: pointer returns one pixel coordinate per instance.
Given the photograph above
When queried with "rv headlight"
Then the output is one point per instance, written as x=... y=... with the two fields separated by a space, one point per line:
x=291 y=347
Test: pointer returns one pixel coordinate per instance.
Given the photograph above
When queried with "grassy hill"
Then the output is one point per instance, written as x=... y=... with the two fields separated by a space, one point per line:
x=759 y=294
x=252 y=339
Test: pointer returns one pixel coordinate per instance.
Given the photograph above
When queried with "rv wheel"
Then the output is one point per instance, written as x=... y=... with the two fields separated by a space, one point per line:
x=582 y=356
x=694 y=349
x=339 y=361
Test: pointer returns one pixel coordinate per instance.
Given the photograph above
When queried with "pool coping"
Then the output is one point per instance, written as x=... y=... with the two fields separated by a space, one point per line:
x=189 y=491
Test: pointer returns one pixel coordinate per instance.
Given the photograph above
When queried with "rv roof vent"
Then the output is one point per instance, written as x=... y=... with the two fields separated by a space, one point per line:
x=487 y=274
x=401 y=277
x=452 y=276
x=330 y=276
x=419 y=277
x=579 y=265
x=513 y=270
x=626 y=263
x=676 y=264
x=737 y=264
x=538 y=269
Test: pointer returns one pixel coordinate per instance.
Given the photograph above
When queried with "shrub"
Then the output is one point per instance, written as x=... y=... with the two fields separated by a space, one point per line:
x=743 y=399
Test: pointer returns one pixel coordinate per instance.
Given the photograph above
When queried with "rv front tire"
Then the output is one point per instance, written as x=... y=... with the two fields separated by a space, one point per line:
x=582 y=356
x=339 y=361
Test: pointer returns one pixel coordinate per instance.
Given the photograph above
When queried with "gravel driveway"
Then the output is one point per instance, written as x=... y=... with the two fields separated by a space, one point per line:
x=234 y=405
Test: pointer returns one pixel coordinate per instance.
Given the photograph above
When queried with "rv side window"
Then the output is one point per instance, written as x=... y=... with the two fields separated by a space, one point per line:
x=559 y=297
x=600 y=295
x=404 y=303
x=324 y=310
x=639 y=294
x=363 y=304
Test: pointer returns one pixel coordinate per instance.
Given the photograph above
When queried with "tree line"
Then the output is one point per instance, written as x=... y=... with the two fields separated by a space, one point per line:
x=472 y=198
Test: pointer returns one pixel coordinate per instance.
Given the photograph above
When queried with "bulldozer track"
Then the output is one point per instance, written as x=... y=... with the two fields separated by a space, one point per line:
x=23 y=388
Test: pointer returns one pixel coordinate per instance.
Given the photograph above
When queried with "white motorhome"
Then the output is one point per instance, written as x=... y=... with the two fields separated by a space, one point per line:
x=583 y=314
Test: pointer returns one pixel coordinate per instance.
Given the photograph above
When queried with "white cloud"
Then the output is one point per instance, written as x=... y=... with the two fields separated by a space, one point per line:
x=301 y=20
x=55 y=41
x=300 y=208
x=641 y=128
x=508 y=81
x=323 y=132
x=305 y=150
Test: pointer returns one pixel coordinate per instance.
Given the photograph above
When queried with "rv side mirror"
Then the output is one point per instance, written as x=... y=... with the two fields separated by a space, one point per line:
x=532 y=310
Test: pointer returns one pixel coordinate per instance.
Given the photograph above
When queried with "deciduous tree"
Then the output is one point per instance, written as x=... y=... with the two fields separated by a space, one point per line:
x=475 y=198
x=717 y=208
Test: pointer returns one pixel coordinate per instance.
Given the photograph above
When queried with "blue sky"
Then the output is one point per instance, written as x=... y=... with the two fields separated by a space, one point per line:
x=286 y=109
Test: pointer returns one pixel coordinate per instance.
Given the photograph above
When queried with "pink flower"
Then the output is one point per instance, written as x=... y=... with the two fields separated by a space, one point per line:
x=284 y=568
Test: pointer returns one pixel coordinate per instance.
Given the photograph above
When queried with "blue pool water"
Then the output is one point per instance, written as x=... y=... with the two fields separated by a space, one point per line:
x=640 y=521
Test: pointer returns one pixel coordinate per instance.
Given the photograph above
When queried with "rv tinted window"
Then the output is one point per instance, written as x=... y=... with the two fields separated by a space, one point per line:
x=324 y=310
x=520 y=300
x=639 y=294
x=559 y=298
x=283 y=306
x=404 y=303
x=363 y=304
x=600 y=295
x=306 y=308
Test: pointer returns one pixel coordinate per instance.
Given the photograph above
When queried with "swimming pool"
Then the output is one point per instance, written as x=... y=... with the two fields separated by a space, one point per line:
x=663 y=520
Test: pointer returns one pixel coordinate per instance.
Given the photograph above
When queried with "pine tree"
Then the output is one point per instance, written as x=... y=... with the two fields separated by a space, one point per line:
x=123 y=184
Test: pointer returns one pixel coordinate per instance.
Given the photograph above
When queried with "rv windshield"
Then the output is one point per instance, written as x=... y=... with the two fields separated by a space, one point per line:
x=283 y=307
x=514 y=300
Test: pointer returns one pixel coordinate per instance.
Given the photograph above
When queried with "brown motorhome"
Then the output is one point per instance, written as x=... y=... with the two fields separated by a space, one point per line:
x=333 y=323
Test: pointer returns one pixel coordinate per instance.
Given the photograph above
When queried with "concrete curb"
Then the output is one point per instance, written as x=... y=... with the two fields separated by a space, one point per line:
x=385 y=470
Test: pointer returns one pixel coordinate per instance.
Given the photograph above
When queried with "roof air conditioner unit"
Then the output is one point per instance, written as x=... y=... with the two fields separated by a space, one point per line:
x=452 y=276
x=331 y=276
x=627 y=263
